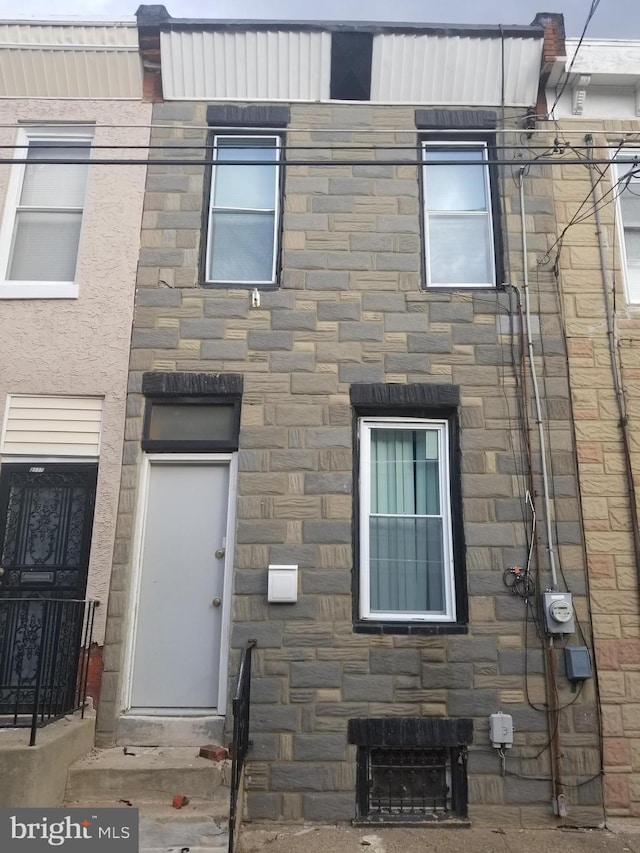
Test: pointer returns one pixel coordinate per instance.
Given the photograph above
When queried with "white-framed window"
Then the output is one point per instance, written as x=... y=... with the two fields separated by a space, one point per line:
x=43 y=213
x=458 y=222
x=627 y=174
x=244 y=210
x=406 y=537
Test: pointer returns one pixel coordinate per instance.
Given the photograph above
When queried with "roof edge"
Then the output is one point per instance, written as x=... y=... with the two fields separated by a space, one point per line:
x=157 y=16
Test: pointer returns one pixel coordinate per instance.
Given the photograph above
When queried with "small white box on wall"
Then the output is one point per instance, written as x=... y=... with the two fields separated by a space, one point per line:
x=283 y=585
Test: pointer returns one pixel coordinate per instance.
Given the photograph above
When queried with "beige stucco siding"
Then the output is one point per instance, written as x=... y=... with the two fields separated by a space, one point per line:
x=81 y=346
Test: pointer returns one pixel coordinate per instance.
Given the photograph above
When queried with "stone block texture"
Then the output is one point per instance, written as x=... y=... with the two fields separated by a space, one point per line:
x=351 y=307
x=604 y=482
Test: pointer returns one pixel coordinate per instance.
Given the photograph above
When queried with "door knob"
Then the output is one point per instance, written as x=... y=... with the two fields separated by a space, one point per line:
x=217 y=602
x=220 y=553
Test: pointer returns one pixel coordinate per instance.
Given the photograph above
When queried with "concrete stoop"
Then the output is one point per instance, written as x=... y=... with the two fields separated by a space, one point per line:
x=35 y=776
x=148 y=778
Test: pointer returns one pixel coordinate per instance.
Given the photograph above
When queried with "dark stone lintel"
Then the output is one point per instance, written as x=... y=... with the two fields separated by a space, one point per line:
x=160 y=384
x=229 y=115
x=414 y=395
x=456 y=119
x=410 y=731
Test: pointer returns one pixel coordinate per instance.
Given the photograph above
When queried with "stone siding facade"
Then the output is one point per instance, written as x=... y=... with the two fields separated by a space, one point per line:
x=604 y=485
x=351 y=308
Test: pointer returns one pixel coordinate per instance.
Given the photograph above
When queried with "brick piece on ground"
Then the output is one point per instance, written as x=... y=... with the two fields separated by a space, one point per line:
x=214 y=753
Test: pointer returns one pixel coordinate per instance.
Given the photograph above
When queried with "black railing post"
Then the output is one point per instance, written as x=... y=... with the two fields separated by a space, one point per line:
x=240 y=745
x=86 y=650
x=41 y=659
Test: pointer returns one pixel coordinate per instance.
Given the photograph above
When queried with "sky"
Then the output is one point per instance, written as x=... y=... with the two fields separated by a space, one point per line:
x=613 y=19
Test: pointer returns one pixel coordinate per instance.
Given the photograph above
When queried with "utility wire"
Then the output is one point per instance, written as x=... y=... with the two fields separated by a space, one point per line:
x=591 y=13
x=362 y=146
x=407 y=161
x=582 y=215
x=361 y=131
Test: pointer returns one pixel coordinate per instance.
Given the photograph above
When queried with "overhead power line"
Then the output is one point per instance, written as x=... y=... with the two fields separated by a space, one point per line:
x=385 y=161
x=590 y=14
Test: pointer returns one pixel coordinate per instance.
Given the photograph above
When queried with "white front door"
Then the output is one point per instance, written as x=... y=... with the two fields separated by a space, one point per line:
x=176 y=660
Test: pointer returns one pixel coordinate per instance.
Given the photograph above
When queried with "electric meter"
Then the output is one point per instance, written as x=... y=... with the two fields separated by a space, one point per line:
x=558 y=612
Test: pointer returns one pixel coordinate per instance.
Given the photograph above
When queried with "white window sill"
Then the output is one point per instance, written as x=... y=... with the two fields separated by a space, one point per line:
x=477 y=284
x=437 y=619
x=38 y=290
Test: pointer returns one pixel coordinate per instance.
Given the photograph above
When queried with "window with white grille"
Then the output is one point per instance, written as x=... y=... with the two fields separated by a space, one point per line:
x=244 y=230
x=459 y=238
x=40 y=234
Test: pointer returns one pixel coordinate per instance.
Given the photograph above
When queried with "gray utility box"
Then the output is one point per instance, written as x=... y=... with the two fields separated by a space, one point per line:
x=577 y=662
x=558 y=612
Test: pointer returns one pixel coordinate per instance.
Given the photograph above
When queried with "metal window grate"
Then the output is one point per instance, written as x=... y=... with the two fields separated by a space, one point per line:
x=409 y=782
x=400 y=784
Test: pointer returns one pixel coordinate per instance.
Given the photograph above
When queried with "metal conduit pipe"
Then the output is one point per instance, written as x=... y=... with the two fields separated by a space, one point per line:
x=550 y=674
x=547 y=658
x=536 y=393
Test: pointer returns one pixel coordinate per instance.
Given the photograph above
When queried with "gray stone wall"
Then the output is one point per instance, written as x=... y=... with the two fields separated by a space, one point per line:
x=350 y=308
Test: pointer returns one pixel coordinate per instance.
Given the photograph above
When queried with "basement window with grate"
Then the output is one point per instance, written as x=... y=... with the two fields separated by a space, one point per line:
x=403 y=784
x=411 y=772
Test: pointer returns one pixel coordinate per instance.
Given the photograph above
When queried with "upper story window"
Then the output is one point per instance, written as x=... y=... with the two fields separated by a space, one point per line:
x=628 y=175
x=460 y=245
x=244 y=210
x=43 y=214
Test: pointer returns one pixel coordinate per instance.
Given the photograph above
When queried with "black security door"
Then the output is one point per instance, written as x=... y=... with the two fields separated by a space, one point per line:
x=46 y=516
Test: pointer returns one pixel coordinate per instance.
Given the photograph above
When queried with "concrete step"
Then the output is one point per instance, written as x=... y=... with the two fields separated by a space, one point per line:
x=146 y=775
x=201 y=825
x=195 y=832
x=139 y=730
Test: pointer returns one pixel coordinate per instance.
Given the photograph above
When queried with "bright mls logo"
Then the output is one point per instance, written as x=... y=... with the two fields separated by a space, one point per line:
x=70 y=830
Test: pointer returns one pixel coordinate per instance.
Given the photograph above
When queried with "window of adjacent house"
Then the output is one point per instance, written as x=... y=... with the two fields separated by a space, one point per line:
x=628 y=175
x=406 y=549
x=244 y=210
x=43 y=215
x=459 y=240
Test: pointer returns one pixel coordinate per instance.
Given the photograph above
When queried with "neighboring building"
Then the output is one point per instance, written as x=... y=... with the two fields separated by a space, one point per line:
x=598 y=257
x=69 y=242
x=349 y=306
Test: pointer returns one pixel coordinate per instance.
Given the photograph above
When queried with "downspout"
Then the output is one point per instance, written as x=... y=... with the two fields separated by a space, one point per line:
x=622 y=414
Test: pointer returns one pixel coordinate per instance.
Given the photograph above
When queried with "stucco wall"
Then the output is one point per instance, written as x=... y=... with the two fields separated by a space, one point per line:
x=80 y=346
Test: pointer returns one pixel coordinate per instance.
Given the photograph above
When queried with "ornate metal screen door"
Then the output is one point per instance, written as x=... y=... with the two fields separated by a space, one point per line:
x=46 y=515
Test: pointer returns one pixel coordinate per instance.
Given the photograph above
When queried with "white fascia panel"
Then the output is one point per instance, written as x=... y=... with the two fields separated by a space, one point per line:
x=454 y=70
x=275 y=65
x=70 y=62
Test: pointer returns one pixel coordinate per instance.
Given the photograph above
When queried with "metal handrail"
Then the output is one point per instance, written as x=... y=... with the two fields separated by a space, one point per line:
x=44 y=659
x=241 y=741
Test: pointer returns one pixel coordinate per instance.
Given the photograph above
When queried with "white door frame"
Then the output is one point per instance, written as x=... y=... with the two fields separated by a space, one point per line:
x=230 y=459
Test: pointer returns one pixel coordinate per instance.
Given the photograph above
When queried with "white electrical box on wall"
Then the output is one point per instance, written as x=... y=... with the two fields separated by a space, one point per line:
x=282 y=586
x=558 y=612
x=501 y=730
